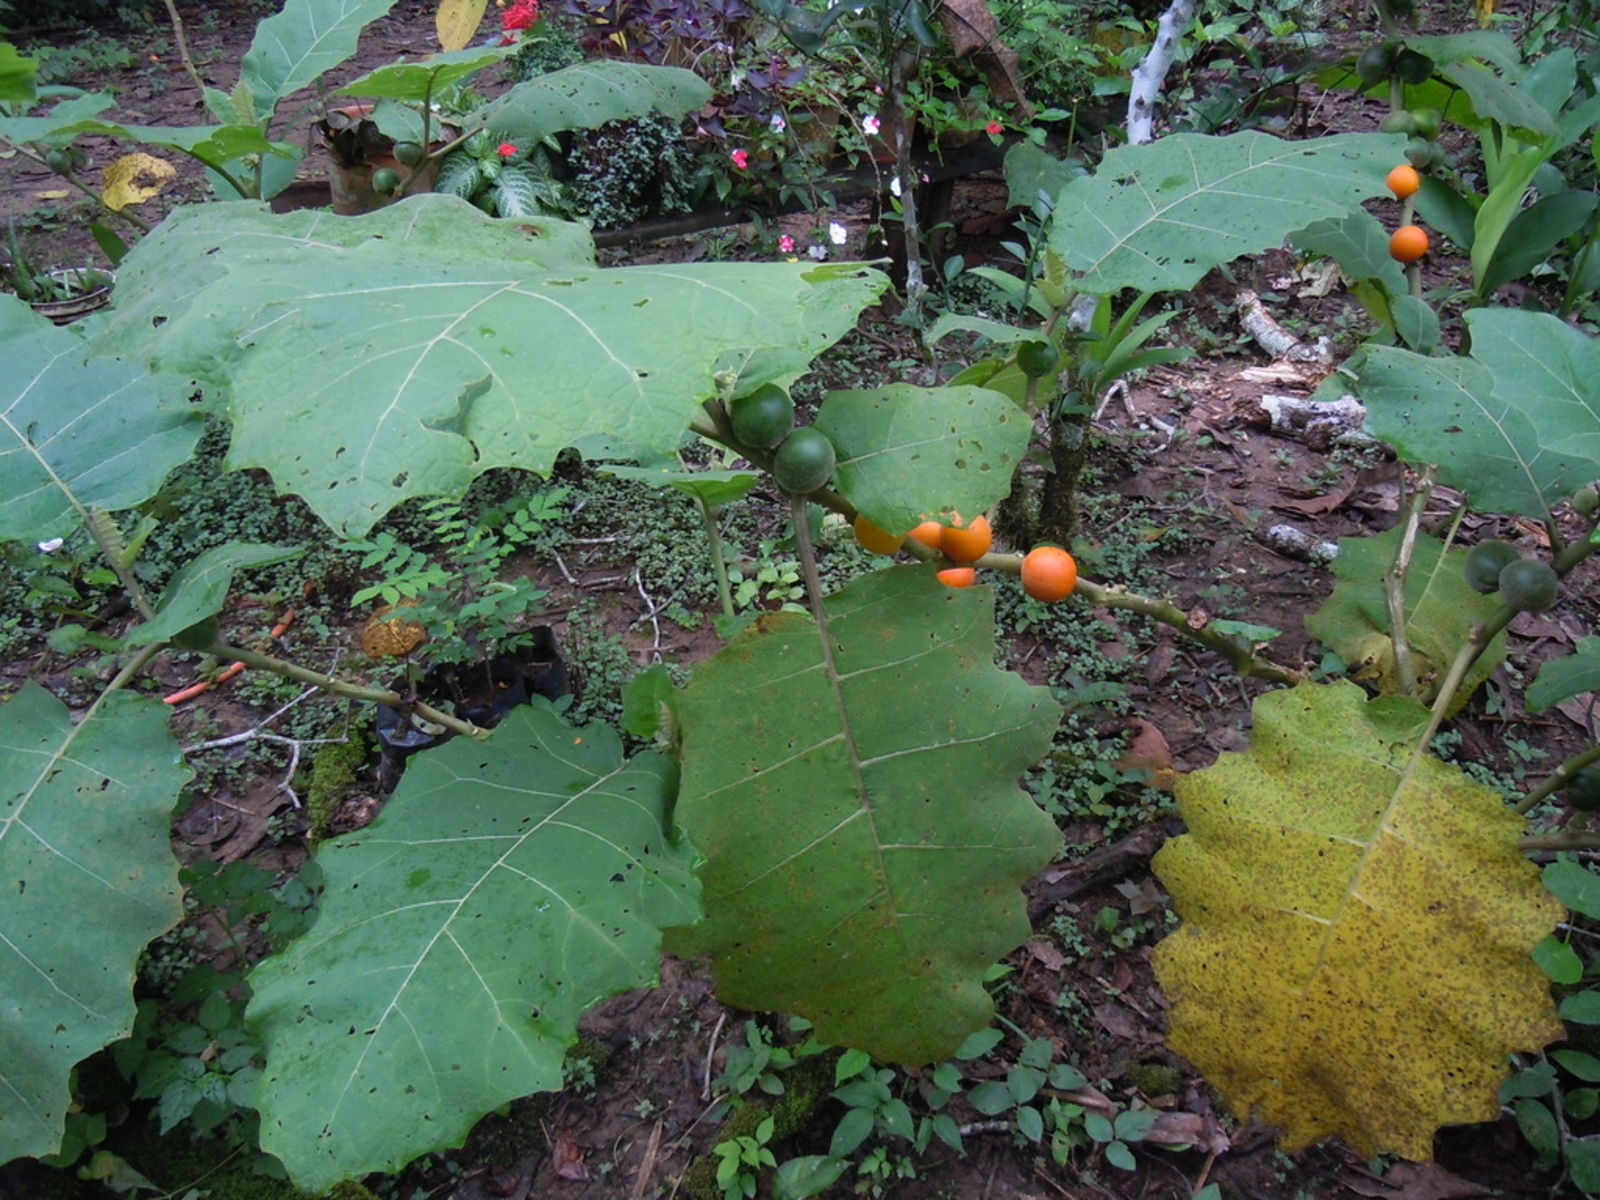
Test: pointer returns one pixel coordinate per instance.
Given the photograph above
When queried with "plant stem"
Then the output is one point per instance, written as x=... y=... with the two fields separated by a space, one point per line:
x=103 y=528
x=339 y=687
x=27 y=152
x=1558 y=779
x=1567 y=839
x=183 y=47
x=708 y=514
x=1394 y=580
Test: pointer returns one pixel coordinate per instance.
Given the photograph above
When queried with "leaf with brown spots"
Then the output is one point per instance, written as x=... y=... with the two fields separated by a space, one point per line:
x=1354 y=959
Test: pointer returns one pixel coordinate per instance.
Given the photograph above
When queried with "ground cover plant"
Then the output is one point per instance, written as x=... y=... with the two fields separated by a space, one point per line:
x=827 y=807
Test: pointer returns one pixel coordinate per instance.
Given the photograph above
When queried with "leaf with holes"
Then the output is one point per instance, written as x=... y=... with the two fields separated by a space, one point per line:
x=909 y=453
x=505 y=889
x=1159 y=216
x=406 y=352
x=856 y=805
x=76 y=434
x=89 y=880
x=1354 y=959
x=301 y=41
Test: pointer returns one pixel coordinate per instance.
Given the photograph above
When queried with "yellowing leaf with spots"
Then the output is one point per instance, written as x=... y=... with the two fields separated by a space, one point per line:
x=133 y=179
x=457 y=20
x=1354 y=957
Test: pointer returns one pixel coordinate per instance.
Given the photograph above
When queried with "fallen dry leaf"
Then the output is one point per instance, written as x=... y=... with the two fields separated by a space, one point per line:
x=567 y=1159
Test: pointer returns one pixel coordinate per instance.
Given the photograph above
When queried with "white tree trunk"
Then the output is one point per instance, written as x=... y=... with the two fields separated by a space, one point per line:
x=1152 y=70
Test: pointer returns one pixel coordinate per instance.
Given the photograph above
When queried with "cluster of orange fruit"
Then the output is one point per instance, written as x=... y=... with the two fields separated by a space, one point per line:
x=1409 y=242
x=1049 y=573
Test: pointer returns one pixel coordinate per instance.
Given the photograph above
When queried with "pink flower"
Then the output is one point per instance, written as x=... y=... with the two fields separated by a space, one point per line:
x=505 y=150
x=994 y=127
x=520 y=15
x=870 y=125
x=785 y=244
x=741 y=159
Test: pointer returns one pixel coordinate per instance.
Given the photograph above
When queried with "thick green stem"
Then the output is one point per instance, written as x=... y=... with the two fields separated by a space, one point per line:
x=1559 y=778
x=719 y=564
x=340 y=687
x=1394 y=581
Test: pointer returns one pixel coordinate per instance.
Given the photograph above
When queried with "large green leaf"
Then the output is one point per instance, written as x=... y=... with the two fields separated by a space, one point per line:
x=200 y=588
x=1562 y=678
x=857 y=808
x=590 y=94
x=1354 y=959
x=16 y=74
x=505 y=889
x=909 y=453
x=89 y=880
x=419 y=80
x=307 y=37
x=403 y=353
x=1516 y=426
x=1160 y=215
x=1440 y=611
x=76 y=434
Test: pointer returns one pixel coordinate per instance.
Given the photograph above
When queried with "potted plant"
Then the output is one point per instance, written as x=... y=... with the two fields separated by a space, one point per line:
x=63 y=294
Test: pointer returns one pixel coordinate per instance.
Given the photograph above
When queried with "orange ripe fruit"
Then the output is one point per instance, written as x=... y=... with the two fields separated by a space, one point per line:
x=958 y=576
x=966 y=543
x=1049 y=573
x=875 y=539
x=928 y=534
x=1409 y=243
x=1403 y=181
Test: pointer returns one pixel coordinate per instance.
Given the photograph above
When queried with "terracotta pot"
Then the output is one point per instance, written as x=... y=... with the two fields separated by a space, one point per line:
x=358 y=148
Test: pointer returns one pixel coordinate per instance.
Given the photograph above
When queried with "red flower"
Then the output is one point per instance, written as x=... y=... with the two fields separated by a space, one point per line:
x=520 y=15
x=505 y=149
x=994 y=127
x=741 y=159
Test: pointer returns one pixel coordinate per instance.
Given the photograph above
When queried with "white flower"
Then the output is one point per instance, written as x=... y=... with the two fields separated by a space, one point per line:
x=870 y=125
x=837 y=233
x=52 y=545
x=894 y=185
x=778 y=123
x=817 y=252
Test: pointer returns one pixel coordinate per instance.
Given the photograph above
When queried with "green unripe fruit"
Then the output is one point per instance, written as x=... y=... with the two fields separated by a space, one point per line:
x=385 y=180
x=1038 y=359
x=1483 y=564
x=804 y=462
x=1423 y=154
x=408 y=153
x=1429 y=121
x=1583 y=793
x=1529 y=585
x=1398 y=122
x=1586 y=501
x=199 y=636
x=1412 y=67
x=58 y=160
x=1376 y=63
x=763 y=418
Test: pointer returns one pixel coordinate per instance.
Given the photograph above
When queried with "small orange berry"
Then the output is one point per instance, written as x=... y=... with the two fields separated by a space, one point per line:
x=875 y=539
x=928 y=534
x=958 y=576
x=1408 y=243
x=966 y=543
x=1049 y=573
x=1403 y=181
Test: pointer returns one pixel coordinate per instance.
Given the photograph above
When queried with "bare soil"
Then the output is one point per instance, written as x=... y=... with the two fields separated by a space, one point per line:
x=1201 y=478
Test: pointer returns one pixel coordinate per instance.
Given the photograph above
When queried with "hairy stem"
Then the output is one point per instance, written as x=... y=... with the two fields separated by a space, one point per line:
x=340 y=687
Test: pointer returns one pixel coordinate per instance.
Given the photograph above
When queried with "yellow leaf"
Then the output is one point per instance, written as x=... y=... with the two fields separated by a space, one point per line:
x=1485 y=12
x=457 y=20
x=1354 y=960
x=53 y=194
x=133 y=179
